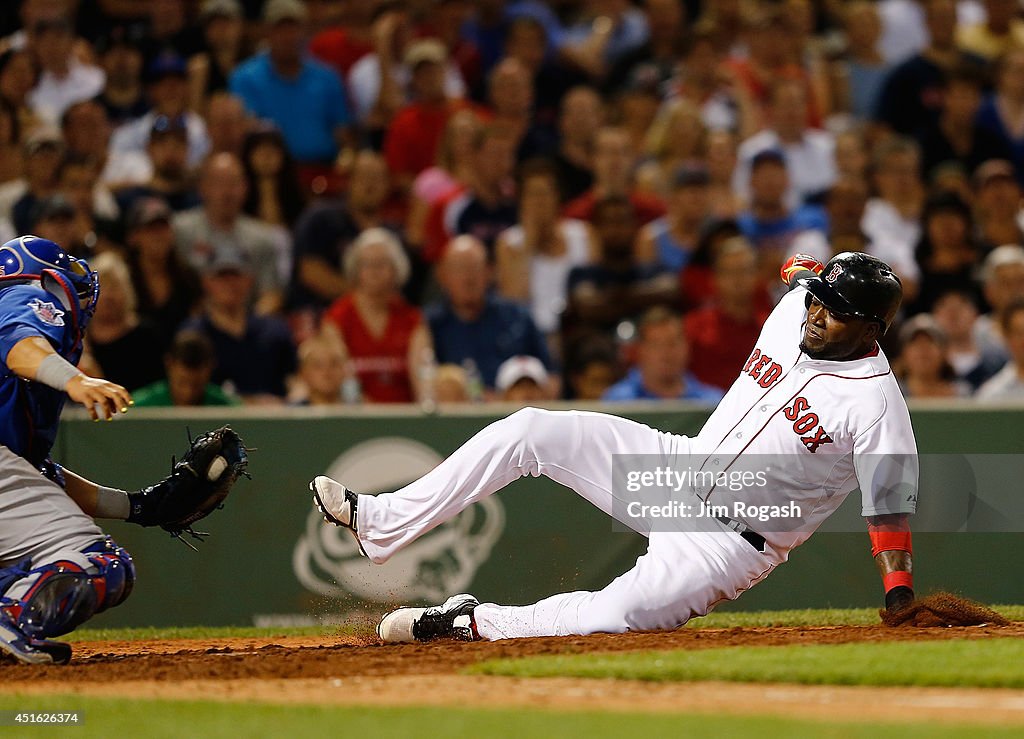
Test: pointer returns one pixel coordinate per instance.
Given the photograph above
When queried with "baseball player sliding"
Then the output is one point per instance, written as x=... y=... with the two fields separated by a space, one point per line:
x=57 y=568
x=817 y=396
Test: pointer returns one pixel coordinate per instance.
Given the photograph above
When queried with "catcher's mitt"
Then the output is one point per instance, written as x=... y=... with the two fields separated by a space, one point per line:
x=198 y=484
x=942 y=609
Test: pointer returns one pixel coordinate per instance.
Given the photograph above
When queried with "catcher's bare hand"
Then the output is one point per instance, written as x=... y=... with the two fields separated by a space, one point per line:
x=103 y=399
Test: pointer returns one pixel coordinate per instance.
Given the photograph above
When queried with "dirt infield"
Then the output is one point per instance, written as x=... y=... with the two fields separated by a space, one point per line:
x=360 y=670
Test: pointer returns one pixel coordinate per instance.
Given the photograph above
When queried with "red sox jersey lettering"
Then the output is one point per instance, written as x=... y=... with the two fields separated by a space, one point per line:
x=763 y=369
x=803 y=421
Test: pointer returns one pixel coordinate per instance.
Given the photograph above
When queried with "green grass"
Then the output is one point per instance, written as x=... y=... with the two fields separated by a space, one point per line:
x=989 y=663
x=722 y=620
x=207 y=719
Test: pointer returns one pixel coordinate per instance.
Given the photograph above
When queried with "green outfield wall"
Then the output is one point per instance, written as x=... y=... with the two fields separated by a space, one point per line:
x=271 y=561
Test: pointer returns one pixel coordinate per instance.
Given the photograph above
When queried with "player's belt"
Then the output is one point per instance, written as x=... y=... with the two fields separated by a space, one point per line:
x=752 y=538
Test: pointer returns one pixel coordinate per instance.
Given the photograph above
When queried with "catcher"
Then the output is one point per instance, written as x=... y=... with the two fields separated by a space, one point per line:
x=58 y=566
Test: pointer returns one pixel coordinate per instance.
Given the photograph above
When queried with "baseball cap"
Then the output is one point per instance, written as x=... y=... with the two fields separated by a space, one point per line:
x=227 y=260
x=219 y=8
x=44 y=137
x=166 y=64
x=54 y=206
x=146 y=211
x=169 y=125
x=1001 y=256
x=276 y=11
x=690 y=175
x=518 y=368
x=922 y=323
x=768 y=155
x=425 y=50
x=993 y=169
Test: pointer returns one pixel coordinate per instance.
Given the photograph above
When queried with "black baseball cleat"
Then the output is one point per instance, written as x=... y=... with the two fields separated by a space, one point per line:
x=337 y=503
x=453 y=619
x=31 y=651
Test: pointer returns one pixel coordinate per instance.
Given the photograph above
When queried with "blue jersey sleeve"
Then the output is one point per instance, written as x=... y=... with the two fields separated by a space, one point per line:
x=27 y=310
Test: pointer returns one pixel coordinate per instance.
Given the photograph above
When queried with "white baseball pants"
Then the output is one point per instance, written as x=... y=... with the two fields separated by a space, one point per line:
x=682 y=574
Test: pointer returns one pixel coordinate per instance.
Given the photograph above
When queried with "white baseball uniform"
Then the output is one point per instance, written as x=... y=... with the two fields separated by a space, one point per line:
x=815 y=428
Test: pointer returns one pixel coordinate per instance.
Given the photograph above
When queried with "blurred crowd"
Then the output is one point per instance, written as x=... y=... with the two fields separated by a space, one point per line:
x=443 y=201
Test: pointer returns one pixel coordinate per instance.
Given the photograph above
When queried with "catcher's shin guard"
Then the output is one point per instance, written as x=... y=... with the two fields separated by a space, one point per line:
x=58 y=597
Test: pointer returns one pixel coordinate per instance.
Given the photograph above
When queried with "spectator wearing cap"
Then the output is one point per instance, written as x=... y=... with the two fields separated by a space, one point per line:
x=414 y=134
x=911 y=96
x=669 y=241
x=171 y=178
x=809 y=152
x=327 y=228
x=616 y=286
x=947 y=252
x=1002 y=275
x=303 y=97
x=997 y=205
x=167 y=288
x=126 y=348
x=613 y=164
x=769 y=223
x=473 y=327
x=167 y=90
x=87 y=130
x=188 y=366
x=42 y=153
x=383 y=336
x=220 y=225
x=1008 y=383
x=63 y=79
x=956 y=313
x=534 y=257
x=523 y=380
x=223 y=29
x=922 y=368
x=120 y=55
x=955 y=135
x=662 y=364
x=377 y=96
x=676 y=138
x=255 y=354
x=722 y=331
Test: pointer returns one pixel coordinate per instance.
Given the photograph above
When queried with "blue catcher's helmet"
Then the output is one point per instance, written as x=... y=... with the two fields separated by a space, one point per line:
x=70 y=280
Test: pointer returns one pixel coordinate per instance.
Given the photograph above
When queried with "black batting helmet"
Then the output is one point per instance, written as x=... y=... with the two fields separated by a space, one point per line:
x=857 y=284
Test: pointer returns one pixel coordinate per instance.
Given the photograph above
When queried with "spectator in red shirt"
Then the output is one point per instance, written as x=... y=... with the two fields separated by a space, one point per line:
x=383 y=336
x=412 y=138
x=613 y=177
x=722 y=332
x=346 y=42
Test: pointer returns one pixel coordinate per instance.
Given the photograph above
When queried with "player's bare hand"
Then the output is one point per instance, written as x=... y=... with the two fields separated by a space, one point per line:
x=101 y=398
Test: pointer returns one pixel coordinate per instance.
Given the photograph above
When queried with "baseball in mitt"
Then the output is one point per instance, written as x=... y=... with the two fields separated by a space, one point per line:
x=198 y=484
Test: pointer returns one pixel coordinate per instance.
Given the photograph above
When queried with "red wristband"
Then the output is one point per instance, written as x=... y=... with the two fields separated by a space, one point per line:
x=895 y=579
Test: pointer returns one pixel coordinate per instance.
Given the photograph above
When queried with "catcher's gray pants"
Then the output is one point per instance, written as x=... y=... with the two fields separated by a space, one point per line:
x=682 y=574
x=38 y=520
